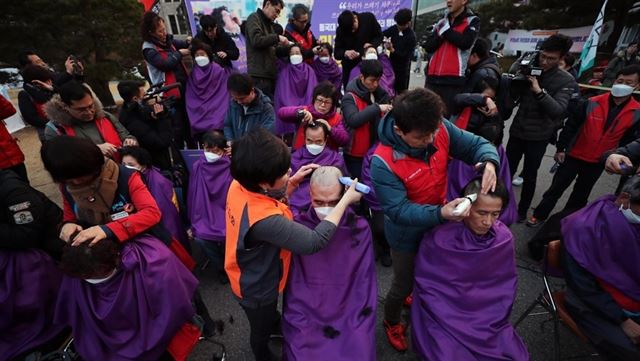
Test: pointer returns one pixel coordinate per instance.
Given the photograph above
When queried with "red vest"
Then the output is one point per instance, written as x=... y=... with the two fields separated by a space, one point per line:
x=593 y=140
x=107 y=131
x=170 y=76
x=425 y=182
x=361 y=136
x=10 y=153
x=299 y=141
x=462 y=120
x=448 y=59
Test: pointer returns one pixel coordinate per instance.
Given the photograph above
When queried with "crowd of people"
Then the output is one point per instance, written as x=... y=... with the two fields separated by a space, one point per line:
x=309 y=167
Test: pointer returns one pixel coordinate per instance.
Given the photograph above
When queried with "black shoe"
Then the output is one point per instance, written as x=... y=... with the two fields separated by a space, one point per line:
x=385 y=259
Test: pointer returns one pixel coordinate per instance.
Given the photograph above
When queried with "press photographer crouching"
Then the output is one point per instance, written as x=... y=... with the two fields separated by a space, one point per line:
x=148 y=119
x=543 y=91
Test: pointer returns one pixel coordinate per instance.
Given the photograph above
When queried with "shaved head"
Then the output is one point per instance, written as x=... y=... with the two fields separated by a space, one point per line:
x=326 y=177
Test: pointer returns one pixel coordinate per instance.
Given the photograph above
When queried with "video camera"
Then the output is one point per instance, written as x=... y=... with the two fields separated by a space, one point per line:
x=157 y=92
x=528 y=65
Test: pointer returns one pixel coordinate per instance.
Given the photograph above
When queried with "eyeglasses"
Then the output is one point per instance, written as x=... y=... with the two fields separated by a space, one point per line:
x=550 y=59
x=324 y=102
x=87 y=109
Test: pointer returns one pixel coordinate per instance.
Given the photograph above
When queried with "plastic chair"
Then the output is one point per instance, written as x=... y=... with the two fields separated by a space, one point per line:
x=553 y=301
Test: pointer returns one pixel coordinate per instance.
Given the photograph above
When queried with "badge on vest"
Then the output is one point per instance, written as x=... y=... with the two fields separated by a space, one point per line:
x=119 y=215
x=23 y=217
x=20 y=206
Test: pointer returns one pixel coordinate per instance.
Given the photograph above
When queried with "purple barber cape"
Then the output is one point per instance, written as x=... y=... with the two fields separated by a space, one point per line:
x=29 y=283
x=365 y=178
x=330 y=71
x=300 y=198
x=604 y=243
x=239 y=65
x=161 y=189
x=329 y=309
x=465 y=286
x=294 y=86
x=207 y=97
x=461 y=173
x=134 y=315
x=207 y=198
x=388 y=76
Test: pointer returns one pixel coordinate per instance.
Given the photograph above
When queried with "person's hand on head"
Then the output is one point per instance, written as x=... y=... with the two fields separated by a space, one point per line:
x=447 y=210
x=614 y=163
x=221 y=54
x=489 y=177
x=67 y=230
x=130 y=142
x=320 y=120
x=107 y=149
x=282 y=40
x=351 y=54
x=184 y=52
x=93 y=235
x=304 y=171
x=307 y=116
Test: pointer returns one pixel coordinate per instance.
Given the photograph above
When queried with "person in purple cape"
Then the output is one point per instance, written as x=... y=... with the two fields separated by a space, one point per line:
x=29 y=276
x=331 y=296
x=600 y=262
x=315 y=151
x=376 y=214
x=206 y=91
x=161 y=188
x=326 y=68
x=465 y=286
x=111 y=297
x=207 y=199
x=388 y=76
x=294 y=86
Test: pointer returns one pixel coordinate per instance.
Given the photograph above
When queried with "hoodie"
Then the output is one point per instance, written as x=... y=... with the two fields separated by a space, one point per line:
x=355 y=118
x=405 y=222
x=56 y=111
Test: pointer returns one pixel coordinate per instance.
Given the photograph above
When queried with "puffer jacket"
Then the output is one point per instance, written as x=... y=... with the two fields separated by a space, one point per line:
x=616 y=64
x=539 y=118
x=260 y=113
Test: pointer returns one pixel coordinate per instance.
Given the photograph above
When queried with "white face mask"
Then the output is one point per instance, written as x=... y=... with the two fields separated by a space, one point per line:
x=621 y=90
x=202 y=60
x=325 y=59
x=295 y=59
x=323 y=212
x=371 y=56
x=380 y=49
x=95 y=281
x=315 y=149
x=211 y=157
x=630 y=216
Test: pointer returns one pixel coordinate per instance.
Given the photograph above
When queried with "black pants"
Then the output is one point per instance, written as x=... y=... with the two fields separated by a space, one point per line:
x=268 y=86
x=377 y=229
x=401 y=71
x=533 y=152
x=181 y=126
x=264 y=320
x=587 y=173
x=447 y=93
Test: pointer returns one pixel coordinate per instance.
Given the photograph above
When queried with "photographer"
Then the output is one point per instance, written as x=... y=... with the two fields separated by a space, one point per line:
x=543 y=103
x=37 y=90
x=150 y=124
x=74 y=70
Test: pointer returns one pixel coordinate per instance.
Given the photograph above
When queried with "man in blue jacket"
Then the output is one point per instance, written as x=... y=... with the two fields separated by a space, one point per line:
x=409 y=173
x=249 y=108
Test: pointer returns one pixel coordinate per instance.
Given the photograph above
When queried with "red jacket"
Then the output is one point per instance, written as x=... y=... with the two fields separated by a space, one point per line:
x=593 y=140
x=10 y=153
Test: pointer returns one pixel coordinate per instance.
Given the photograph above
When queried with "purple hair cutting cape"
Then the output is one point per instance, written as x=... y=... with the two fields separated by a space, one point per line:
x=207 y=97
x=207 y=198
x=134 y=315
x=330 y=71
x=29 y=283
x=294 y=86
x=300 y=198
x=365 y=178
x=329 y=310
x=388 y=76
x=161 y=189
x=604 y=243
x=461 y=173
x=465 y=286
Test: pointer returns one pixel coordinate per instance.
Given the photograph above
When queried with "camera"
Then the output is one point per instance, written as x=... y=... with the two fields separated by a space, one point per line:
x=156 y=92
x=77 y=70
x=528 y=65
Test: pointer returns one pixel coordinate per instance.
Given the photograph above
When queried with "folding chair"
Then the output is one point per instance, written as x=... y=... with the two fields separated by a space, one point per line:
x=553 y=301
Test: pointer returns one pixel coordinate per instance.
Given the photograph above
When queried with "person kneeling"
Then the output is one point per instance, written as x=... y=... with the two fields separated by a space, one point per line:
x=465 y=286
x=330 y=300
x=602 y=248
x=110 y=296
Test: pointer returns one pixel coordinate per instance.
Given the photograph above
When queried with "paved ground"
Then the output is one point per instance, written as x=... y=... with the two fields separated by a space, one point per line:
x=536 y=333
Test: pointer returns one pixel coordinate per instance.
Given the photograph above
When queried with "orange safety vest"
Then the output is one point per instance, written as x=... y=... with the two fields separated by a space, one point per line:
x=244 y=209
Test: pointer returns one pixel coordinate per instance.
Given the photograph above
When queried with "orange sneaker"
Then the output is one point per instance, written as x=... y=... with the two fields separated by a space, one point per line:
x=409 y=300
x=395 y=335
